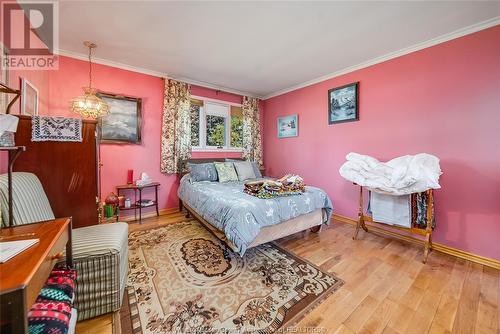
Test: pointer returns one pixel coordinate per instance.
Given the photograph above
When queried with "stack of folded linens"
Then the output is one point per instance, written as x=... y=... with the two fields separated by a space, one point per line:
x=287 y=185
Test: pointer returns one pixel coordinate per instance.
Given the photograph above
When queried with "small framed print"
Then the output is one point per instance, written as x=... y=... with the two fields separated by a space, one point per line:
x=29 y=98
x=343 y=104
x=288 y=126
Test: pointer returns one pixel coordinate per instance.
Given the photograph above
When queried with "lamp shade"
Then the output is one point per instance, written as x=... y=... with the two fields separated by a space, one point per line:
x=89 y=104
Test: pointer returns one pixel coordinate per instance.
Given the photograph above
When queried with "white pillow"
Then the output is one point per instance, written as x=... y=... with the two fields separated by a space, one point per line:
x=245 y=170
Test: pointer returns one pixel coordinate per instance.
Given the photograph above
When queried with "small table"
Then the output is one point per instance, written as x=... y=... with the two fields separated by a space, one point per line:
x=134 y=205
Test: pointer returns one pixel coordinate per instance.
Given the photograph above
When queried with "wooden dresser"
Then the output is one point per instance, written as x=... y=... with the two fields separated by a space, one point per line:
x=22 y=277
x=68 y=171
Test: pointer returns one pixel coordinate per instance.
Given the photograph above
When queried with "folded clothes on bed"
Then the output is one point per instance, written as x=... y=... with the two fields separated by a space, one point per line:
x=287 y=185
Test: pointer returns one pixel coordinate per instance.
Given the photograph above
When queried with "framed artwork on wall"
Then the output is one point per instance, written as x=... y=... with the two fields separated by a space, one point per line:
x=29 y=98
x=123 y=123
x=288 y=126
x=343 y=104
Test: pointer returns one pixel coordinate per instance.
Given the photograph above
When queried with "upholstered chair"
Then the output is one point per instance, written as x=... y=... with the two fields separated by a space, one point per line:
x=100 y=252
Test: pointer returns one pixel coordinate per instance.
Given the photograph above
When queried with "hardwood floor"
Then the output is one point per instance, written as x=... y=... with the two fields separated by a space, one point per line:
x=387 y=288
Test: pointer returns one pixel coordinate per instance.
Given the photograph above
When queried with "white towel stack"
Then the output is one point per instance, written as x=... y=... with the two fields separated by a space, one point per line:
x=392 y=210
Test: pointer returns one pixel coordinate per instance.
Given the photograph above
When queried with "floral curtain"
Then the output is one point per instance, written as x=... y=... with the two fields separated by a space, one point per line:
x=252 y=142
x=176 y=127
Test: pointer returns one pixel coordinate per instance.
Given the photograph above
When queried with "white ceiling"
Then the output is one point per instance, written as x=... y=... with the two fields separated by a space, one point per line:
x=260 y=48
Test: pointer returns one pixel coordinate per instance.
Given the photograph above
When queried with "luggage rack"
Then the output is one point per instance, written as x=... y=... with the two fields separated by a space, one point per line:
x=426 y=233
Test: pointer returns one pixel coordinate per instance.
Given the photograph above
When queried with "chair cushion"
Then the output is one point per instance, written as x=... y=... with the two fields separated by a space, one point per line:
x=30 y=204
x=99 y=239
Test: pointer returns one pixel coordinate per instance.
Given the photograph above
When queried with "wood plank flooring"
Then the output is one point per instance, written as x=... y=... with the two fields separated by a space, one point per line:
x=387 y=289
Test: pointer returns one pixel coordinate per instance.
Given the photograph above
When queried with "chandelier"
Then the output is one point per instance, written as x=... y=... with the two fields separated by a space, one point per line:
x=89 y=105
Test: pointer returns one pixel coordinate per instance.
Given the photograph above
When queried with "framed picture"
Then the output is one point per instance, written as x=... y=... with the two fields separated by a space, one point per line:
x=29 y=98
x=288 y=126
x=123 y=123
x=343 y=104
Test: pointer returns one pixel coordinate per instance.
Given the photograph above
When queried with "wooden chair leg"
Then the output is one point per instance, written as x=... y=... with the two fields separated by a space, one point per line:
x=360 y=222
x=430 y=217
x=355 y=236
x=363 y=225
x=427 y=247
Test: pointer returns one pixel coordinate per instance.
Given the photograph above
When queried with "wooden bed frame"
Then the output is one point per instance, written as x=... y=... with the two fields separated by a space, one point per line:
x=313 y=220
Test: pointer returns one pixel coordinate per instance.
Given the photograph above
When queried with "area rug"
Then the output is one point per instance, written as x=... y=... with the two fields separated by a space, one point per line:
x=184 y=280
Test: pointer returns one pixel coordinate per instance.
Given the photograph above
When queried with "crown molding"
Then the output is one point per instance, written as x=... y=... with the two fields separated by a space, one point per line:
x=416 y=47
x=419 y=46
x=111 y=63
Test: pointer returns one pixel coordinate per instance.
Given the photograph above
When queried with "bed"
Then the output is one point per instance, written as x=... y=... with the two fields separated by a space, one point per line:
x=245 y=221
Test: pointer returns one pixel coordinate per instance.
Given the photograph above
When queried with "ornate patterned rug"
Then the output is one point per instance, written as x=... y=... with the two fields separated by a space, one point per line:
x=184 y=280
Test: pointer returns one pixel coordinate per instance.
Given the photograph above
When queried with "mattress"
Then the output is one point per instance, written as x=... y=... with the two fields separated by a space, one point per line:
x=240 y=216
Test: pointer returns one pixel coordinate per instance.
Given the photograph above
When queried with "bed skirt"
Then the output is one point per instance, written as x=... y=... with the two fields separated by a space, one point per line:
x=270 y=233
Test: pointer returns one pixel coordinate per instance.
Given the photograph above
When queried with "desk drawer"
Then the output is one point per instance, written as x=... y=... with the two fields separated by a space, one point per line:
x=41 y=275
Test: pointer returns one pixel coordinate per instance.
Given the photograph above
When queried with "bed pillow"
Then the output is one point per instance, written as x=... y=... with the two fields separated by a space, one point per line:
x=256 y=170
x=255 y=165
x=226 y=171
x=202 y=172
x=244 y=169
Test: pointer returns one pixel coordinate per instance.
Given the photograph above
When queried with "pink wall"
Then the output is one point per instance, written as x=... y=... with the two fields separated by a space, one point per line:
x=444 y=100
x=39 y=79
x=67 y=82
x=117 y=159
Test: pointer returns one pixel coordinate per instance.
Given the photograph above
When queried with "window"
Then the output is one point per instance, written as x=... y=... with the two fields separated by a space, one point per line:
x=216 y=125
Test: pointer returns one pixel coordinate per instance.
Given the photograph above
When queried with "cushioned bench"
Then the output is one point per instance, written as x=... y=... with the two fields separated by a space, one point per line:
x=100 y=252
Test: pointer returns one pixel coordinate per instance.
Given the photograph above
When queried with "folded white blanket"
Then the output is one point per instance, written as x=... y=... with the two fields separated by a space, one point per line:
x=400 y=176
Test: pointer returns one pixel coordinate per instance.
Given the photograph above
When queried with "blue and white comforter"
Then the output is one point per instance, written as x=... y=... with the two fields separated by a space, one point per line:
x=241 y=216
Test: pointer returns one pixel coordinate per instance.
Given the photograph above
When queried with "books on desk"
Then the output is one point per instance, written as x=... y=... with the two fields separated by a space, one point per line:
x=9 y=249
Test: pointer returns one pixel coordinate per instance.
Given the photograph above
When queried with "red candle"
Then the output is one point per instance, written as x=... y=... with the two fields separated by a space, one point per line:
x=130 y=176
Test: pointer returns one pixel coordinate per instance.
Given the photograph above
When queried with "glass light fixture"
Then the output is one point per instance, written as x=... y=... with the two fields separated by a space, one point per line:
x=89 y=105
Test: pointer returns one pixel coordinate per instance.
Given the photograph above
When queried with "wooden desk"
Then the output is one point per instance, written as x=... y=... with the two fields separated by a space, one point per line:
x=134 y=206
x=22 y=277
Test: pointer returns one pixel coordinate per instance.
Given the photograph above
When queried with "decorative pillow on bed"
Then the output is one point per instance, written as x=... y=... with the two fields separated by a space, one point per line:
x=255 y=165
x=202 y=172
x=245 y=170
x=256 y=170
x=226 y=171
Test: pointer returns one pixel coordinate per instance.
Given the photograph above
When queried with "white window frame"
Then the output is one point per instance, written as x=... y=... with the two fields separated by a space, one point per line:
x=203 y=128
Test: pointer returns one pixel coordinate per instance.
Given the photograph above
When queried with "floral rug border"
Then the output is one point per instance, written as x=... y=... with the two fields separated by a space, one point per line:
x=133 y=307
